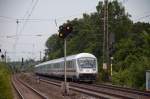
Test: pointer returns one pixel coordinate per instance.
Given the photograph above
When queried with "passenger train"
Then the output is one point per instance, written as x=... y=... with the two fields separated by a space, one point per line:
x=80 y=67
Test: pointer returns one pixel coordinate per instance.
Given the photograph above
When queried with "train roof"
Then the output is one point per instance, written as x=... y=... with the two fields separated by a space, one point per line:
x=67 y=58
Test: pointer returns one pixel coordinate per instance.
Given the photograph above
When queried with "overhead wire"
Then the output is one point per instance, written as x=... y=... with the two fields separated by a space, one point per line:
x=29 y=14
x=17 y=22
x=27 y=11
x=141 y=18
x=6 y=17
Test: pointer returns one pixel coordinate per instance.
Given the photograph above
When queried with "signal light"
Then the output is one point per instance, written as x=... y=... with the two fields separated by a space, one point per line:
x=65 y=30
x=0 y=50
x=61 y=32
x=69 y=28
x=2 y=56
x=61 y=35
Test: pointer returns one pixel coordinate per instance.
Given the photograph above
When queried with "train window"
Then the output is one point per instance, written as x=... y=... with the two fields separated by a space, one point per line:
x=63 y=64
x=54 y=65
x=70 y=64
x=73 y=63
x=87 y=62
x=67 y=64
x=49 y=66
x=59 y=65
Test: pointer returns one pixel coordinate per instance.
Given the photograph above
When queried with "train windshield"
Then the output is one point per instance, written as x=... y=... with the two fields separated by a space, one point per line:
x=87 y=62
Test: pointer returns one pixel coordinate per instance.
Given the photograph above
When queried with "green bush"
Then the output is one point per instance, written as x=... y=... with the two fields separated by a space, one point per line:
x=5 y=82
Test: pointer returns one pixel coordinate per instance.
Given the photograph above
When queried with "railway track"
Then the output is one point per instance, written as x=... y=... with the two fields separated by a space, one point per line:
x=25 y=91
x=86 y=90
x=102 y=90
x=124 y=89
x=123 y=92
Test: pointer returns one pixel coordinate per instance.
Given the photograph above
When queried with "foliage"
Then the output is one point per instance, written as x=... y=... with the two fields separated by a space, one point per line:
x=5 y=82
x=26 y=66
x=55 y=46
x=132 y=60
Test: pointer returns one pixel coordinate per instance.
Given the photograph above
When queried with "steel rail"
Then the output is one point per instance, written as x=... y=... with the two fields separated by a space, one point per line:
x=29 y=87
x=123 y=92
x=129 y=90
x=17 y=90
x=88 y=91
x=34 y=90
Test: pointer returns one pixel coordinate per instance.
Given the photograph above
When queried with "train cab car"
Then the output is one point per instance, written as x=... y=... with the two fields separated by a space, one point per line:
x=81 y=67
x=87 y=65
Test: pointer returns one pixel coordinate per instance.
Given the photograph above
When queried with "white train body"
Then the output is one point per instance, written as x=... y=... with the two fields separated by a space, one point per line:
x=82 y=66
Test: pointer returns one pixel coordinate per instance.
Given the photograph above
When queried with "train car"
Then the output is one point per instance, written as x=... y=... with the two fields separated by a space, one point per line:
x=82 y=67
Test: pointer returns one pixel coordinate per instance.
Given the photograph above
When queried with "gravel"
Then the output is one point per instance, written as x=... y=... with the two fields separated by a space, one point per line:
x=51 y=91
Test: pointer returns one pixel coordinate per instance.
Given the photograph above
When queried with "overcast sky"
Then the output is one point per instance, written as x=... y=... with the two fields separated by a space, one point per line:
x=32 y=34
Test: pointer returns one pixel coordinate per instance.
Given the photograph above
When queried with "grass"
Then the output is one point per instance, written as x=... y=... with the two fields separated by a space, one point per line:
x=5 y=82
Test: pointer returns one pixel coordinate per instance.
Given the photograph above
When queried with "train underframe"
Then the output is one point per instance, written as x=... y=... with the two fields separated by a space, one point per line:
x=80 y=77
x=87 y=77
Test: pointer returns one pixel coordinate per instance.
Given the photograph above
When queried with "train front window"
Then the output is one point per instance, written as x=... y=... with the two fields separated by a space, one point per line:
x=87 y=62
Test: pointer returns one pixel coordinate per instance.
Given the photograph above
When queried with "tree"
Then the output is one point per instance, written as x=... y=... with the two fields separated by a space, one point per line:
x=132 y=57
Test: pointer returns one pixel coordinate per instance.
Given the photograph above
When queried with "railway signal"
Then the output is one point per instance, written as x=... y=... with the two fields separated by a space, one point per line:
x=65 y=30
x=22 y=61
x=61 y=32
x=2 y=56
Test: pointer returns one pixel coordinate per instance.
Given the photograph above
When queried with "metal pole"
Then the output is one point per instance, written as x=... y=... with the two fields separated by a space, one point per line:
x=111 y=59
x=40 y=56
x=5 y=57
x=111 y=67
x=104 y=39
x=107 y=35
x=65 y=82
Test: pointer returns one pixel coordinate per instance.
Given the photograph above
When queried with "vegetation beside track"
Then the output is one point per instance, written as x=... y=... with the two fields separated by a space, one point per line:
x=5 y=82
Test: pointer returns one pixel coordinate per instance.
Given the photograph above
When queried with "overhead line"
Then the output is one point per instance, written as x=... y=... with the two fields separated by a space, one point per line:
x=26 y=20
x=5 y=17
x=27 y=11
x=143 y=17
x=38 y=35
x=29 y=16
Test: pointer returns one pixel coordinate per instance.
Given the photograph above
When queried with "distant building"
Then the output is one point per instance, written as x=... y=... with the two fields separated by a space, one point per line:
x=148 y=80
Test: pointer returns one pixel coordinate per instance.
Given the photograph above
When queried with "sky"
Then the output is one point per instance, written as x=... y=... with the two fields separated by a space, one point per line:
x=26 y=38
